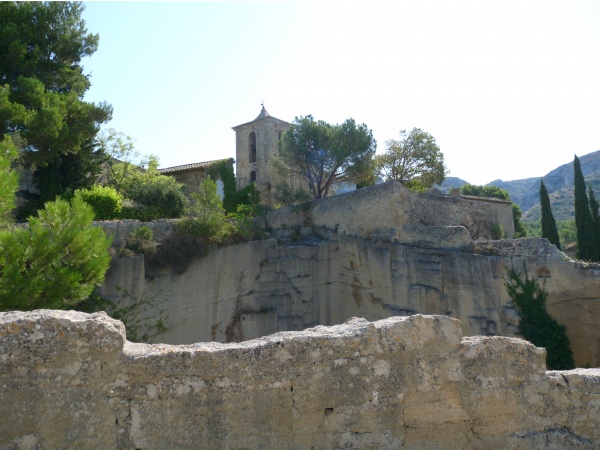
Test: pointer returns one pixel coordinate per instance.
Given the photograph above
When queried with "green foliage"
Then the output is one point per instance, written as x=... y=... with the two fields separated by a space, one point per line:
x=43 y=84
x=65 y=174
x=224 y=170
x=206 y=217
x=595 y=217
x=54 y=263
x=414 y=160
x=536 y=325
x=106 y=202
x=484 y=191
x=150 y=195
x=143 y=233
x=141 y=241
x=520 y=231
x=9 y=178
x=286 y=191
x=587 y=248
x=549 y=230
x=567 y=231
x=147 y=194
x=121 y=157
x=323 y=154
x=498 y=232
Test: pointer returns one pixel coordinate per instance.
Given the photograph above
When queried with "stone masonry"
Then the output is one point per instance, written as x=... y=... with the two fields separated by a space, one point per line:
x=71 y=380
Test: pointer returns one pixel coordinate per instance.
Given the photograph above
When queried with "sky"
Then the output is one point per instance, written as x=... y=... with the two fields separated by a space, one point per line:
x=509 y=89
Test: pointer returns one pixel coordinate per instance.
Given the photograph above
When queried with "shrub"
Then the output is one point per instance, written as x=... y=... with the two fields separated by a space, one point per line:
x=536 y=325
x=141 y=241
x=54 y=263
x=106 y=202
x=152 y=196
x=206 y=217
x=497 y=232
x=143 y=233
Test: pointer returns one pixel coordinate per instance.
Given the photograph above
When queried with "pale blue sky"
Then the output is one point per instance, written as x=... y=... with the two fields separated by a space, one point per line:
x=509 y=89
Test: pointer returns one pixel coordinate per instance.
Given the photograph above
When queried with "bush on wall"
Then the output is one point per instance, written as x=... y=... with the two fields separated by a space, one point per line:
x=106 y=202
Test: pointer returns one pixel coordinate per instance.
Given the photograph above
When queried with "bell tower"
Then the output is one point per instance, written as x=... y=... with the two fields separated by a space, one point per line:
x=256 y=142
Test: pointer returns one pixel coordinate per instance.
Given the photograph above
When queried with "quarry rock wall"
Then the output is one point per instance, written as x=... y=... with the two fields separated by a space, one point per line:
x=71 y=380
x=259 y=288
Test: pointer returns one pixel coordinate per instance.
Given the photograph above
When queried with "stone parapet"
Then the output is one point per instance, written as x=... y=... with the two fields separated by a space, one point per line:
x=70 y=380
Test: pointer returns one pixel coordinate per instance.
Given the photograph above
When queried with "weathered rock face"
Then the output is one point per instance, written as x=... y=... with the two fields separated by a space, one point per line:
x=391 y=211
x=70 y=380
x=259 y=288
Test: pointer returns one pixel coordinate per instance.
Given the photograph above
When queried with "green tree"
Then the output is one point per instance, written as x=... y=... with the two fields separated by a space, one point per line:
x=206 y=216
x=55 y=262
x=587 y=248
x=536 y=325
x=150 y=195
x=414 y=160
x=9 y=178
x=286 y=191
x=105 y=201
x=549 y=230
x=484 y=191
x=324 y=154
x=42 y=86
x=595 y=216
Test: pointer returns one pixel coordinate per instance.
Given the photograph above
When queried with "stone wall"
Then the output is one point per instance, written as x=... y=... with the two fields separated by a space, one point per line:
x=259 y=288
x=390 y=211
x=121 y=230
x=70 y=380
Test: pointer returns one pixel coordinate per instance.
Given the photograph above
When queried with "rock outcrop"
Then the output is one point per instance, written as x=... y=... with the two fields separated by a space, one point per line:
x=259 y=288
x=70 y=380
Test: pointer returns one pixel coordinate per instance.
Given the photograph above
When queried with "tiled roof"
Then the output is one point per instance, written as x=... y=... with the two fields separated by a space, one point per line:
x=189 y=167
x=263 y=114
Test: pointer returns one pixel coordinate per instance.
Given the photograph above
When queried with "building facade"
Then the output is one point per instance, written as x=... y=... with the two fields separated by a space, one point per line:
x=256 y=143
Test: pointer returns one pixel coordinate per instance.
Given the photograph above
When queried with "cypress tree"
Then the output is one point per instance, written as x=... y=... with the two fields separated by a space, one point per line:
x=594 y=206
x=548 y=223
x=587 y=248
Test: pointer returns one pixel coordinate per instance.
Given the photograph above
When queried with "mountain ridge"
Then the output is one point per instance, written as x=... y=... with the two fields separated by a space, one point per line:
x=559 y=183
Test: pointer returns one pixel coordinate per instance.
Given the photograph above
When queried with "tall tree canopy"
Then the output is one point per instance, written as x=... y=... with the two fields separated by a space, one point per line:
x=324 y=154
x=587 y=248
x=415 y=160
x=549 y=230
x=42 y=84
x=594 y=207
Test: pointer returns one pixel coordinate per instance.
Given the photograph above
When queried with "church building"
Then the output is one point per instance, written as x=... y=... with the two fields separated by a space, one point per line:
x=256 y=143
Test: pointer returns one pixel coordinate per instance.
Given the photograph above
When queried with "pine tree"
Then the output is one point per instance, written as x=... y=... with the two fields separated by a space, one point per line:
x=594 y=206
x=548 y=223
x=587 y=248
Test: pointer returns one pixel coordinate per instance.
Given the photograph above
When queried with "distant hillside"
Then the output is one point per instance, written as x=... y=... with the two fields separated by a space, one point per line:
x=451 y=182
x=525 y=192
x=559 y=183
x=562 y=201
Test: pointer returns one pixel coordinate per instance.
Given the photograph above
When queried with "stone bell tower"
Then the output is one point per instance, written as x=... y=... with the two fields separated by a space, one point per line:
x=256 y=142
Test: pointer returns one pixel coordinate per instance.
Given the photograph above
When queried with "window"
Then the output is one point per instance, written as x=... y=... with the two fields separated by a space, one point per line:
x=252 y=155
x=253 y=176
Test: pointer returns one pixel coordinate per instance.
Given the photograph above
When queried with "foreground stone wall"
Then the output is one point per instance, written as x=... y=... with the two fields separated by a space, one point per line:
x=71 y=380
x=259 y=288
